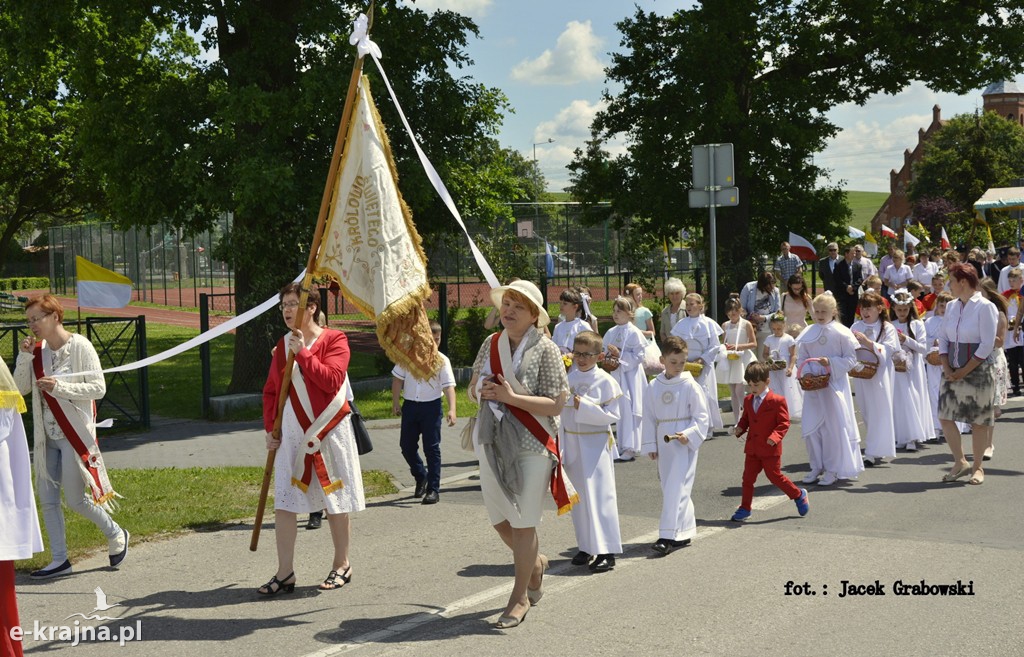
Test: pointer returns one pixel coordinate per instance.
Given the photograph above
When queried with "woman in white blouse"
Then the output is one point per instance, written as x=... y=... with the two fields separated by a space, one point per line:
x=897 y=274
x=966 y=346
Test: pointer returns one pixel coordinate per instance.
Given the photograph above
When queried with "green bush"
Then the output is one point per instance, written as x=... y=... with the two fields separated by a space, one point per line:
x=24 y=283
x=466 y=335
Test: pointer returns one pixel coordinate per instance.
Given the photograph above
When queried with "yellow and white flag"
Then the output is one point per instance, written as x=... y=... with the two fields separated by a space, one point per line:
x=101 y=288
x=371 y=246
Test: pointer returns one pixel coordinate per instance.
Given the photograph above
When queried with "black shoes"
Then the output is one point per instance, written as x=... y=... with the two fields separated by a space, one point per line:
x=667 y=546
x=120 y=545
x=316 y=519
x=421 y=488
x=52 y=571
x=582 y=558
x=603 y=563
x=431 y=497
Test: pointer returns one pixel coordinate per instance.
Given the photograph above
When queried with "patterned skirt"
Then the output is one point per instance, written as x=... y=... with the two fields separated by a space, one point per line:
x=1001 y=374
x=971 y=398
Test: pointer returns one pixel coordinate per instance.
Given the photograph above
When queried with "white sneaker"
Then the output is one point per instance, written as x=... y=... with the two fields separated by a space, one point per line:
x=811 y=477
x=828 y=479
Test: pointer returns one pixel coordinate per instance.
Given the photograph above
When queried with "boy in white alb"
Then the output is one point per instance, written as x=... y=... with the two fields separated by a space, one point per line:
x=587 y=454
x=421 y=414
x=675 y=424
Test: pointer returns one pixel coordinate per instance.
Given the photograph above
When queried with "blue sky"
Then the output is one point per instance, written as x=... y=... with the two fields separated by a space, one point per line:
x=548 y=57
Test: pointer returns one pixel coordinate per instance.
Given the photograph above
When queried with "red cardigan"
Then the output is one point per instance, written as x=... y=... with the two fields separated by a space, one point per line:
x=770 y=421
x=324 y=367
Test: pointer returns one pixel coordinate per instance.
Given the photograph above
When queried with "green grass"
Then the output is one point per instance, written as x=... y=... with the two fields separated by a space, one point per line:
x=169 y=501
x=864 y=206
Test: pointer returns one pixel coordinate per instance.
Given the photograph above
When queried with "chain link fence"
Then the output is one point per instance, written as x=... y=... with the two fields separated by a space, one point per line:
x=166 y=266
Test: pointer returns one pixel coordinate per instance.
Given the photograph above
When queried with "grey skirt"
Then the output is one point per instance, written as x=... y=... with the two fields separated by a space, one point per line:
x=970 y=399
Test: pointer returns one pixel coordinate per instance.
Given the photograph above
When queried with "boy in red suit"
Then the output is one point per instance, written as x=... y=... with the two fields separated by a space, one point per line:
x=766 y=416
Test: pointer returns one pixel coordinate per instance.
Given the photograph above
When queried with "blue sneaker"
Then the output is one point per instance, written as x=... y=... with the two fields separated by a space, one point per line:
x=740 y=515
x=802 y=505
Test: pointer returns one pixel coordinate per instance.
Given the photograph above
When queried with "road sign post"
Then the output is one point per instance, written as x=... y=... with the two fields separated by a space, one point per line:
x=713 y=186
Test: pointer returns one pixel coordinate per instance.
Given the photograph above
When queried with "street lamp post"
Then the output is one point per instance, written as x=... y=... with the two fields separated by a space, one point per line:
x=536 y=182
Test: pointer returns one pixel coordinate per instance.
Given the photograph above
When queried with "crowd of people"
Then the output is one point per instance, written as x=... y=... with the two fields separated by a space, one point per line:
x=927 y=346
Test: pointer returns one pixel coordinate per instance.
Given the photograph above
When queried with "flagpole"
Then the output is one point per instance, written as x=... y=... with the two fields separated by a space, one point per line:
x=321 y=222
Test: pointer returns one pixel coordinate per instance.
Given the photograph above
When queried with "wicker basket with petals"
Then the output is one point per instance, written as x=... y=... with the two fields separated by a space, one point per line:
x=867 y=368
x=813 y=381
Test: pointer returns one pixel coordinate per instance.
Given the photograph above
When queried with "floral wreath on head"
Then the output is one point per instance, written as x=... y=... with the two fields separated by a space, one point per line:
x=902 y=297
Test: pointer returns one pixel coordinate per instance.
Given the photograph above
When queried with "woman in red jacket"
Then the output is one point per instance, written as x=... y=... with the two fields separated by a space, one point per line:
x=316 y=466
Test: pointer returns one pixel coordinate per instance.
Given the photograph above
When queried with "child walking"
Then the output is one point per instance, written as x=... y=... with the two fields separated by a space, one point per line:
x=675 y=424
x=740 y=340
x=421 y=415
x=765 y=421
x=701 y=335
x=829 y=424
x=875 y=395
x=573 y=321
x=911 y=409
x=624 y=346
x=1014 y=345
x=781 y=346
x=587 y=455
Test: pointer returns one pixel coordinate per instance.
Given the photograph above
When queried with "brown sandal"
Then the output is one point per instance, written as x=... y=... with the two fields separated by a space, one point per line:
x=332 y=581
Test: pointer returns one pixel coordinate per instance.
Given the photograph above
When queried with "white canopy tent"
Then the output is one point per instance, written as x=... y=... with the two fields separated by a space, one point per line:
x=1001 y=198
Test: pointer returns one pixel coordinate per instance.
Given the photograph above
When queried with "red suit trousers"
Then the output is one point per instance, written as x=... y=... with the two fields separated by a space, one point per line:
x=771 y=465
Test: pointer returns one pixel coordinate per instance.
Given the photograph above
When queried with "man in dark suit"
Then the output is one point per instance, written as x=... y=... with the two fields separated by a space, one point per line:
x=848 y=277
x=826 y=268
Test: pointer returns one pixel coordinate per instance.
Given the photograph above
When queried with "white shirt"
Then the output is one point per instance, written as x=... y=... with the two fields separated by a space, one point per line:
x=423 y=391
x=758 y=400
x=1004 y=276
x=923 y=272
x=972 y=323
x=895 y=278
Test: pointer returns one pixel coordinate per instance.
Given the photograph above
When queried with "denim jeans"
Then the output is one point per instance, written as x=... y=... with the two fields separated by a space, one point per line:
x=62 y=469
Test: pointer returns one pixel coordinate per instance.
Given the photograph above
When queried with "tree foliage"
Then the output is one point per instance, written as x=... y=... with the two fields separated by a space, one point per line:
x=970 y=154
x=762 y=74
x=192 y=108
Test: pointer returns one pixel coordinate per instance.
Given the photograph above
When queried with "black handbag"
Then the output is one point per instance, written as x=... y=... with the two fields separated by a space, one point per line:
x=363 y=443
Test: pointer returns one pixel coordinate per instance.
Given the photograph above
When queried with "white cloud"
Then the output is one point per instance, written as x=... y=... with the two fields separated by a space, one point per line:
x=573 y=60
x=473 y=8
x=570 y=129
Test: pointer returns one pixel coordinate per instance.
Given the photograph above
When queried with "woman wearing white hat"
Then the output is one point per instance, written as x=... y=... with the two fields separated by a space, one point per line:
x=522 y=389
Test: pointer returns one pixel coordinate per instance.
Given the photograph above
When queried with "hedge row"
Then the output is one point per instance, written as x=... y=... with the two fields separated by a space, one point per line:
x=25 y=283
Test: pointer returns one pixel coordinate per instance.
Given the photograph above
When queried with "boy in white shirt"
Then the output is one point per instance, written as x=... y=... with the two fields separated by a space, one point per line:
x=587 y=451
x=421 y=415
x=674 y=425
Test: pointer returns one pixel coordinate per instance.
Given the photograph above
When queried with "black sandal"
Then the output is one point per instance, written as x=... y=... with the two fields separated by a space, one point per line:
x=275 y=586
x=331 y=583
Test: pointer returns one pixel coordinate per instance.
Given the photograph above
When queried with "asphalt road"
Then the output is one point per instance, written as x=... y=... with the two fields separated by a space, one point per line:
x=431 y=580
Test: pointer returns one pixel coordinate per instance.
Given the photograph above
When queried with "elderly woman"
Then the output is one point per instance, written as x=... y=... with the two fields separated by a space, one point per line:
x=62 y=371
x=760 y=300
x=322 y=472
x=675 y=310
x=522 y=389
x=967 y=339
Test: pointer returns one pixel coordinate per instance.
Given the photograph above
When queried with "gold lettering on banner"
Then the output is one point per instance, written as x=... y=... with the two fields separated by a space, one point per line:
x=371 y=208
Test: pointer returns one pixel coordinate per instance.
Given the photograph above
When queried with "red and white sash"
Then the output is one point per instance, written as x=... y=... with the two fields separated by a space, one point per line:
x=313 y=458
x=80 y=434
x=562 y=490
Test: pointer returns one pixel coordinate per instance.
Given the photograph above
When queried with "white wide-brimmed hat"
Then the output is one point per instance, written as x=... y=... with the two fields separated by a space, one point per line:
x=528 y=290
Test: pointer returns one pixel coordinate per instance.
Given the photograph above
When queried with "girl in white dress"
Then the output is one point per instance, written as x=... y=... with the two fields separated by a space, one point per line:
x=573 y=321
x=782 y=346
x=829 y=424
x=911 y=410
x=701 y=334
x=934 y=372
x=739 y=340
x=875 y=395
x=624 y=354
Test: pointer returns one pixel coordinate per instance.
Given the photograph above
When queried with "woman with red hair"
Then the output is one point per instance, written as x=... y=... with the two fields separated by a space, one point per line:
x=967 y=339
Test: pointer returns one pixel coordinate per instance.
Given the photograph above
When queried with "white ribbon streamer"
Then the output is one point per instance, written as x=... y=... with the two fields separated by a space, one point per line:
x=359 y=36
x=202 y=338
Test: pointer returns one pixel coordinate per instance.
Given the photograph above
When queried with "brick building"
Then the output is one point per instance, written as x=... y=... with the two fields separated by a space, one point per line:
x=1005 y=98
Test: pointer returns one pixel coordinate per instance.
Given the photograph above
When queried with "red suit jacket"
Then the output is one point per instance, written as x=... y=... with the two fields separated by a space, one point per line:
x=770 y=421
x=324 y=366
